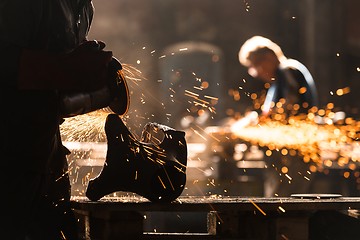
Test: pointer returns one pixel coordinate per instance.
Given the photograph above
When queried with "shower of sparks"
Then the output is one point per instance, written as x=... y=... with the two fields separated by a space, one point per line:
x=85 y=128
x=198 y=99
x=325 y=145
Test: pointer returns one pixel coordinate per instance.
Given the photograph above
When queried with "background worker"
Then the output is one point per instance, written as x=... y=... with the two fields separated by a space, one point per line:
x=43 y=51
x=288 y=78
x=290 y=83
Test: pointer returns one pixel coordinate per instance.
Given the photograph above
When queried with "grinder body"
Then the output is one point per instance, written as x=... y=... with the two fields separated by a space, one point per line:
x=114 y=95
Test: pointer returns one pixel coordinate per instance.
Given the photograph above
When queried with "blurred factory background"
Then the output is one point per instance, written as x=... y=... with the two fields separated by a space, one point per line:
x=323 y=35
x=182 y=49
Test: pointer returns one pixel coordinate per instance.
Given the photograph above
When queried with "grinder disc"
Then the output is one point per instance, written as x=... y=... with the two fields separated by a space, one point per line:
x=119 y=88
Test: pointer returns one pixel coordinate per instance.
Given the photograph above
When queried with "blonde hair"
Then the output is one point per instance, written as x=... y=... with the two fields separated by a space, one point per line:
x=258 y=43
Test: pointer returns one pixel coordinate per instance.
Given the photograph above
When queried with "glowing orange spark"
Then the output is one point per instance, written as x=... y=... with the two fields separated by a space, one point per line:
x=257 y=207
x=162 y=183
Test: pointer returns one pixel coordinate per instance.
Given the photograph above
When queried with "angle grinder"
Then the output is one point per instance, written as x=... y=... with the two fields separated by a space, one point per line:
x=115 y=95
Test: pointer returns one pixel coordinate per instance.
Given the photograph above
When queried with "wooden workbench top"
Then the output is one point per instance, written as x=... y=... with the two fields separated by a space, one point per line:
x=219 y=203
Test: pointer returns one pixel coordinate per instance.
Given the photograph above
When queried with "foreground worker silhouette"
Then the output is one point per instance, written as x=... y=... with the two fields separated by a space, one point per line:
x=154 y=167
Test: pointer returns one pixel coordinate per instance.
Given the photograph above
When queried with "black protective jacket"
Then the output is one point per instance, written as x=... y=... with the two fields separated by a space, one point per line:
x=35 y=187
x=30 y=119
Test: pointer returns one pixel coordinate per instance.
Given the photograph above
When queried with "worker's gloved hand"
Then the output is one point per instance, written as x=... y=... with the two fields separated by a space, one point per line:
x=88 y=64
x=83 y=69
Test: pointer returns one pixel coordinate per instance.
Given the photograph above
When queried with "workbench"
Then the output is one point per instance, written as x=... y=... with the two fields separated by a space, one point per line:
x=227 y=217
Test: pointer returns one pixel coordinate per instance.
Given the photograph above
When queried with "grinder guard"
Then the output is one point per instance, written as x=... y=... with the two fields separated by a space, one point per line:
x=114 y=95
x=154 y=168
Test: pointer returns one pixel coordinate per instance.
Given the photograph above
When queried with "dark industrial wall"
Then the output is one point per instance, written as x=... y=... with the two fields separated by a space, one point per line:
x=321 y=33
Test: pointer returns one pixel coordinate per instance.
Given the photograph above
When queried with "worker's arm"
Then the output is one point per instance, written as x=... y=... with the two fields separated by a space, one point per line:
x=84 y=68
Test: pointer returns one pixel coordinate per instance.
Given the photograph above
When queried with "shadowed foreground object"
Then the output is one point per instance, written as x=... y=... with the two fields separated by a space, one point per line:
x=153 y=167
